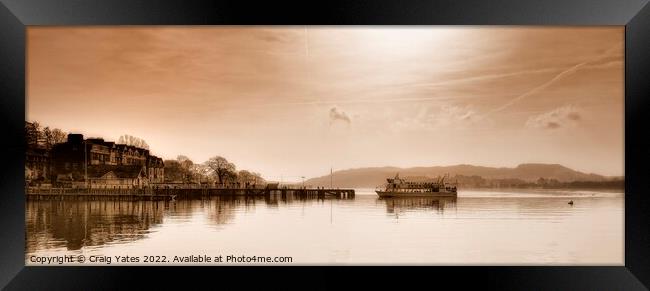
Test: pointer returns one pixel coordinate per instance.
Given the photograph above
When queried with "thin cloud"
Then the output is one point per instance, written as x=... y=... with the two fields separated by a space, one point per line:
x=550 y=82
x=336 y=115
x=436 y=117
x=558 y=118
x=592 y=65
x=416 y=85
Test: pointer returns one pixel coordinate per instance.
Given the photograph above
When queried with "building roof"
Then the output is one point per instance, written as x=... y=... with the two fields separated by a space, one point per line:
x=120 y=171
x=36 y=151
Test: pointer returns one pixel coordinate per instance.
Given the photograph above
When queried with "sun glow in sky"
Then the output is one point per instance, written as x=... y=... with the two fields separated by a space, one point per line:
x=295 y=101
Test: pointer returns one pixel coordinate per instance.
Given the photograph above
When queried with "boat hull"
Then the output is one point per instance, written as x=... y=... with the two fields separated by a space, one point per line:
x=415 y=194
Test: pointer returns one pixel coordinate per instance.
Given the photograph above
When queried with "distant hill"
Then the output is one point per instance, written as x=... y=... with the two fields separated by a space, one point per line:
x=371 y=177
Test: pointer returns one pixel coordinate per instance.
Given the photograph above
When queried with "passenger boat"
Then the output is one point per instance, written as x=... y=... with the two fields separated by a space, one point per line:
x=398 y=187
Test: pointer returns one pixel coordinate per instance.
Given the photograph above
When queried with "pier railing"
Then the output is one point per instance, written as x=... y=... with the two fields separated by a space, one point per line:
x=168 y=192
x=96 y=191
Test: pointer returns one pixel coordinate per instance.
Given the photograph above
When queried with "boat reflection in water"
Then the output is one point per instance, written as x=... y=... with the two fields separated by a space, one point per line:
x=399 y=205
x=332 y=231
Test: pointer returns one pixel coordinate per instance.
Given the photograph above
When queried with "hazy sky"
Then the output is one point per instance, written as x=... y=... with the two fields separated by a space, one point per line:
x=295 y=101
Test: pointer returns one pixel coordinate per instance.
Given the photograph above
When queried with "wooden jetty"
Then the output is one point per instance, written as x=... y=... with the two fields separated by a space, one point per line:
x=170 y=193
x=95 y=194
x=295 y=192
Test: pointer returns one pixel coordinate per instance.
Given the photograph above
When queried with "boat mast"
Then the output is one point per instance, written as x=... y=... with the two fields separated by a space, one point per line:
x=331 y=178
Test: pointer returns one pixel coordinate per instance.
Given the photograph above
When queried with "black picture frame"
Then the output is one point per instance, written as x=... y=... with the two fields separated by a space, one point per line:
x=15 y=15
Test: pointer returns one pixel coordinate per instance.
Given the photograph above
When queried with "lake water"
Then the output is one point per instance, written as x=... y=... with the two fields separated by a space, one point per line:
x=478 y=228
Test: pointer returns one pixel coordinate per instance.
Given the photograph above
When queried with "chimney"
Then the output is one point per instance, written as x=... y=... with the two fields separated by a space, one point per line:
x=75 y=138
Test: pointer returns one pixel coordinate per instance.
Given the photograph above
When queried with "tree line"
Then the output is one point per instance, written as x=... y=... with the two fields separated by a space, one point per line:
x=133 y=141
x=545 y=183
x=37 y=136
x=215 y=170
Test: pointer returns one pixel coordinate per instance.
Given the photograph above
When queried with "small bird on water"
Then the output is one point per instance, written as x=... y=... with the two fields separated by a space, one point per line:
x=571 y=202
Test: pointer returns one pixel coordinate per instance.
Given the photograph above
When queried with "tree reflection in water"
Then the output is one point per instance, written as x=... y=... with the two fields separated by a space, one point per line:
x=73 y=224
x=77 y=224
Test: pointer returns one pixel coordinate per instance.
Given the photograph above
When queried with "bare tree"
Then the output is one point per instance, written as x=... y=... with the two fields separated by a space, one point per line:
x=52 y=137
x=32 y=134
x=185 y=162
x=186 y=166
x=221 y=168
x=202 y=173
x=46 y=135
x=231 y=178
x=133 y=141
x=250 y=178
x=258 y=178
x=37 y=137
x=245 y=177
x=59 y=136
x=143 y=144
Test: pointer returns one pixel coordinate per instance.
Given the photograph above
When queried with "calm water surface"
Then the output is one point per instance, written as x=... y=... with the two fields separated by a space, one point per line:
x=479 y=227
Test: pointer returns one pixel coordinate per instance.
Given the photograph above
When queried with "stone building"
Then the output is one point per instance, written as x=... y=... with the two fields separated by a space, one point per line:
x=37 y=166
x=117 y=177
x=155 y=169
x=106 y=163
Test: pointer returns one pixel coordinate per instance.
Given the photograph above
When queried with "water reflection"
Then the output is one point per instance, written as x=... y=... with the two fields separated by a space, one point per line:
x=399 y=205
x=76 y=224
x=504 y=228
x=331 y=230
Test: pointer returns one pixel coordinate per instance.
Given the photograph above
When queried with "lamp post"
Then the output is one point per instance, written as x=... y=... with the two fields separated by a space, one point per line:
x=303 y=181
x=85 y=165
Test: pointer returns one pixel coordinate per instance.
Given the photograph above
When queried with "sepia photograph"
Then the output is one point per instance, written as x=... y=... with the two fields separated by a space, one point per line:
x=324 y=145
